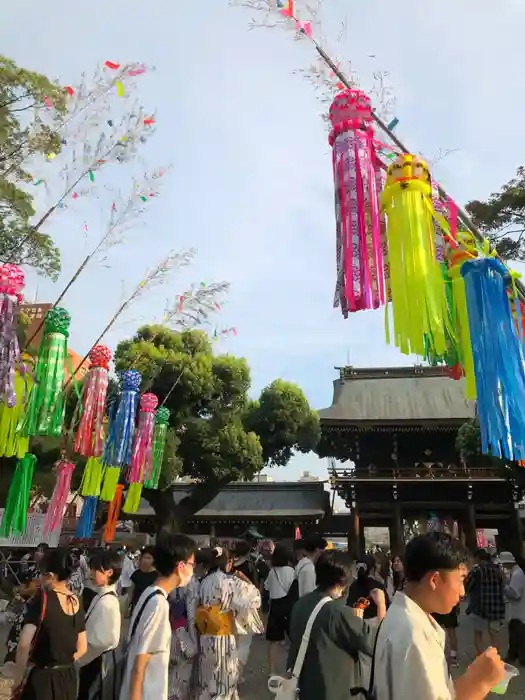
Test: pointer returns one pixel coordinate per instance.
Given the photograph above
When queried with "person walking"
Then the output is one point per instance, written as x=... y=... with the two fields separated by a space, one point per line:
x=369 y=586
x=515 y=595
x=278 y=584
x=309 y=550
x=486 y=604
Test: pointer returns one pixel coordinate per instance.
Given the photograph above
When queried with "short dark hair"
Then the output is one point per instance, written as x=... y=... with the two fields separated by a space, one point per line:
x=280 y=556
x=434 y=551
x=148 y=549
x=314 y=542
x=58 y=562
x=242 y=548
x=42 y=547
x=170 y=550
x=106 y=559
x=333 y=568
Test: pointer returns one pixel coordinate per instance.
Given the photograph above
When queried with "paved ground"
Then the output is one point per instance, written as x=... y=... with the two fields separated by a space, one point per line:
x=255 y=687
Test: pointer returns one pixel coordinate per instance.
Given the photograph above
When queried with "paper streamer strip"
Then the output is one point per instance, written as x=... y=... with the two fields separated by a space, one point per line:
x=109 y=484
x=91 y=478
x=86 y=521
x=113 y=514
x=133 y=498
x=55 y=511
x=14 y=521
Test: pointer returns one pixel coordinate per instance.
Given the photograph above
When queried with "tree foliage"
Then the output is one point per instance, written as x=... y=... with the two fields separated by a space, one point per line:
x=502 y=218
x=24 y=96
x=217 y=433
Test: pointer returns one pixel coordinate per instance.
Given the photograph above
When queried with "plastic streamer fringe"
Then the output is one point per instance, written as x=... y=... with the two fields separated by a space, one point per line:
x=498 y=362
x=133 y=498
x=86 y=521
x=91 y=478
x=159 y=443
x=113 y=514
x=118 y=448
x=109 y=484
x=141 y=458
x=89 y=439
x=12 y=442
x=45 y=410
x=58 y=502
x=11 y=287
x=14 y=521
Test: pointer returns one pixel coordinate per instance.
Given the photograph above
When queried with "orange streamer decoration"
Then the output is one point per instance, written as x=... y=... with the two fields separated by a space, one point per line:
x=113 y=514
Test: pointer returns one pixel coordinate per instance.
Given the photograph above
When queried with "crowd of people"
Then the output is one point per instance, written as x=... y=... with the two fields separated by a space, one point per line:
x=176 y=623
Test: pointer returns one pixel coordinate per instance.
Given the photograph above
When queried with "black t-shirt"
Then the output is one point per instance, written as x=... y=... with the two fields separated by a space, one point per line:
x=362 y=589
x=141 y=580
x=56 y=640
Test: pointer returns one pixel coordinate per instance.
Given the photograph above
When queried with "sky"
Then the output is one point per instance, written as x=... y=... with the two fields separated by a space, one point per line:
x=250 y=184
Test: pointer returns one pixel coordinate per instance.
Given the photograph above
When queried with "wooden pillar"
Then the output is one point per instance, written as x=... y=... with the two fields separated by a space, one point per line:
x=471 y=539
x=353 y=533
x=396 y=530
x=361 y=541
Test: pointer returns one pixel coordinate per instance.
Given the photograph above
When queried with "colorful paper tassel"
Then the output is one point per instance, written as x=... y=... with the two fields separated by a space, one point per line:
x=133 y=498
x=113 y=514
x=141 y=458
x=360 y=232
x=45 y=409
x=14 y=521
x=118 y=448
x=109 y=484
x=11 y=287
x=86 y=521
x=91 y=478
x=498 y=362
x=159 y=443
x=418 y=289
x=89 y=440
x=55 y=511
x=12 y=442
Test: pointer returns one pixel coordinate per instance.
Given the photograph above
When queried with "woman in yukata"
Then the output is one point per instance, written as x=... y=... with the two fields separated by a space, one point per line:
x=223 y=599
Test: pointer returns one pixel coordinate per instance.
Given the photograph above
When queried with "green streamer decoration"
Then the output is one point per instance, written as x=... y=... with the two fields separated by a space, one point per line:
x=109 y=485
x=160 y=432
x=17 y=506
x=133 y=498
x=92 y=478
x=45 y=410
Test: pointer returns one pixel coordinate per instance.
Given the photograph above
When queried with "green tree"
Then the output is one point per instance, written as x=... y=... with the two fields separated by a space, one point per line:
x=24 y=100
x=502 y=218
x=217 y=434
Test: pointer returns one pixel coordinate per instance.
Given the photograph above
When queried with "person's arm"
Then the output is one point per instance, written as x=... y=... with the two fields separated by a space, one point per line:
x=137 y=676
x=22 y=651
x=514 y=589
x=350 y=632
x=150 y=641
x=481 y=676
x=306 y=580
x=379 y=598
x=82 y=645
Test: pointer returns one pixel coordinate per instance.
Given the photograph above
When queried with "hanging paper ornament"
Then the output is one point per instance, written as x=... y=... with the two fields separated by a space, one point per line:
x=498 y=363
x=89 y=439
x=113 y=514
x=119 y=443
x=11 y=287
x=140 y=466
x=45 y=409
x=91 y=478
x=160 y=432
x=417 y=284
x=55 y=511
x=357 y=171
x=133 y=498
x=109 y=483
x=86 y=521
x=14 y=521
x=12 y=442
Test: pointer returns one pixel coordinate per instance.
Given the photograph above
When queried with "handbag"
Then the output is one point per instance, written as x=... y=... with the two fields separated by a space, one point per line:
x=286 y=688
x=16 y=693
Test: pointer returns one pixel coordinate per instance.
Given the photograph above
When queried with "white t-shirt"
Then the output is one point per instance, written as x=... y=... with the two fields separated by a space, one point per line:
x=278 y=581
x=305 y=574
x=152 y=636
x=410 y=655
x=103 y=623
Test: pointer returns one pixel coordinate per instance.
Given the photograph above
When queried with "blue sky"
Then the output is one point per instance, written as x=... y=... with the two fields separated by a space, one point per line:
x=251 y=183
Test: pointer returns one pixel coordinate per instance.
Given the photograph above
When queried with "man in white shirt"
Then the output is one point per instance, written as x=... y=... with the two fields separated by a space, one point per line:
x=149 y=637
x=311 y=547
x=410 y=653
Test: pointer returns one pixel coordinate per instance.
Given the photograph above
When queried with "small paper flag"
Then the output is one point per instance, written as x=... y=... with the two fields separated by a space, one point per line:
x=48 y=102
x=144 y=199
x=75 y=195
x=137 y=71
x=181 y=301
x=110 y=122
x=38 y=182
x=50 y=156
x=92 y=176
x=287 y=10
x=149 y=121
x=304 y=28
x=120 y=88
x=392 y=125
x=69 y=90
x=113 y=66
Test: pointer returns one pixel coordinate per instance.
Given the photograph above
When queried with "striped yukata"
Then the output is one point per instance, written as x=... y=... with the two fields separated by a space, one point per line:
x=218 y=660
x=184 y=646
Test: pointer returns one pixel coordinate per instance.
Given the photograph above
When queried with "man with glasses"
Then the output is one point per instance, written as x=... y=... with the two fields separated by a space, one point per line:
x=149 y=636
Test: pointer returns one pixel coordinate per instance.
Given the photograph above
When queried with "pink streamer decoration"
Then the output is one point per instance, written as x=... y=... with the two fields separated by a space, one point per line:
x=55 y=511
x=89 y=439
x=141 y=458
x=453 y=212
x=360 y=245
x=304 y=27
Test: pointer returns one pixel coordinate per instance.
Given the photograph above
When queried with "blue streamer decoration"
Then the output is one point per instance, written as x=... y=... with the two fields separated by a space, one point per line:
x=86 y=521
x=498 y=360
x=119 y=443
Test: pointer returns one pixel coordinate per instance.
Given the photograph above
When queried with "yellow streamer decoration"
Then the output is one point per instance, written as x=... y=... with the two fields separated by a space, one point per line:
x=133 y=498
x=12 y=444
x=109 y=485
x=91 y=478
x=462 y=324
x=418 y=288
x=120 y=88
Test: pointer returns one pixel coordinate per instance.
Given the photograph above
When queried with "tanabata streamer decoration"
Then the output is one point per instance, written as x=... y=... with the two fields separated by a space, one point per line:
x=416 y=279
x=500 y=373
x=45 y=409
x=109 y=483
x=113 y=514
x=11 y=287
x=14 y=521
x=87 y=517
x=133 y=498
x=118 y=448
x=12 y=442
x=89 y=439
x=55 y=511
x=91 y=478
x=141 y=461
x=159 y=443
x=360 y=246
